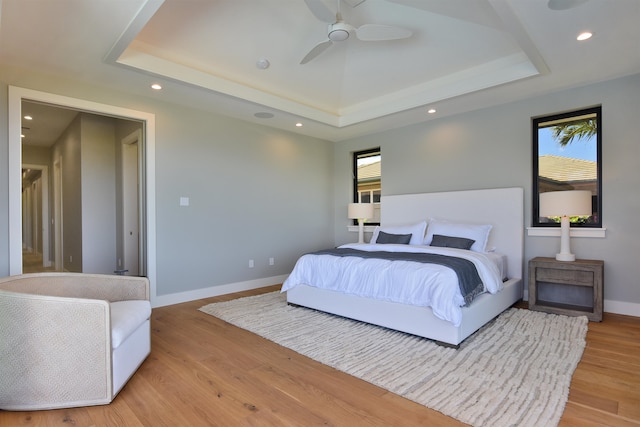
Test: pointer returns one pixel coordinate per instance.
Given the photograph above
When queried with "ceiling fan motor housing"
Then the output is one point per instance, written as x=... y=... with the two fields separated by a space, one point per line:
x=339 y=31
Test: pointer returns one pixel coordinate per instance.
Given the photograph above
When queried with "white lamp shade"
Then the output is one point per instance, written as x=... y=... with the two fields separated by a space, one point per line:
x=360 y=210
x=569 y=203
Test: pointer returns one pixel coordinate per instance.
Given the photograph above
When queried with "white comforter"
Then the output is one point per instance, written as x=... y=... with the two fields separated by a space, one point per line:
x=405 y=282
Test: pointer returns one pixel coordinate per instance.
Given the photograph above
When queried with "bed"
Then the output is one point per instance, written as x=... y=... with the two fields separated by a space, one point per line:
x=501 y=209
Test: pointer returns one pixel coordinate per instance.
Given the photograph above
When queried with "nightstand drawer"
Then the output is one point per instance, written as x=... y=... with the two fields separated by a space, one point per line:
x=570 y=277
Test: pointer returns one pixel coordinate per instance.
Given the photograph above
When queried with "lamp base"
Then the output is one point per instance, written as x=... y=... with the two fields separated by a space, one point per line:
x=565 y=257
x=360 y=231
x=565 y=242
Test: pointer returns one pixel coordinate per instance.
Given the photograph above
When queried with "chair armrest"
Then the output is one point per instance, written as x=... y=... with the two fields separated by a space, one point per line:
x=46 y=340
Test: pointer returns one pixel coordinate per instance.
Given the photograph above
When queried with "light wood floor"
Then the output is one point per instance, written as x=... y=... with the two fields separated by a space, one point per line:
x=204 y=372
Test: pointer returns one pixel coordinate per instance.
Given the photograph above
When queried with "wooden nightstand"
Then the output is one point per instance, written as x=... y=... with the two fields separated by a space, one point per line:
x=572 y=288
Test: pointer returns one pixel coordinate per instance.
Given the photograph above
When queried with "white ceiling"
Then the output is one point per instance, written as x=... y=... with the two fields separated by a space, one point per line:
x=463 y=55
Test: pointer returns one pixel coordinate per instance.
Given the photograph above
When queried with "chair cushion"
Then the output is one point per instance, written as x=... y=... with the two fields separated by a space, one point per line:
x=126 y=316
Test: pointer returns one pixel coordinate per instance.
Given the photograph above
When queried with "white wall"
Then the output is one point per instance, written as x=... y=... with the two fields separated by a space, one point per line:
x=98 y=189
x=254 y=193
x=66 y=150
x=492 y=148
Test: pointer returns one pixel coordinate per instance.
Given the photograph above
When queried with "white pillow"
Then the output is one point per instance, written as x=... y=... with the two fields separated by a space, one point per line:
x=416 y=231
x=477 y=232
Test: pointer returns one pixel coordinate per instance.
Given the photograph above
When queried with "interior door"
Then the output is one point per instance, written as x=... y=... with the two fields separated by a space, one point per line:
x=130 y=208
x=57 y=214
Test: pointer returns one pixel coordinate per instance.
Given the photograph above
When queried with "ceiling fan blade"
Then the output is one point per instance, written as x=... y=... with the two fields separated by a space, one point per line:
x=320 y=11
x=317 y=50
x=375 y=32
x=564 y=4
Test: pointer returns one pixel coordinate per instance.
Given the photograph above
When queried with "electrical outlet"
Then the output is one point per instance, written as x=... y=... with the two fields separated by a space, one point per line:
x=250 y=263
x=272 y=261
x=70 y=258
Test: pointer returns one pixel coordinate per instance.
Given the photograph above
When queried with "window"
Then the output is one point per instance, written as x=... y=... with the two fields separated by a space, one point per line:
x=367 y=180
x=567 y=155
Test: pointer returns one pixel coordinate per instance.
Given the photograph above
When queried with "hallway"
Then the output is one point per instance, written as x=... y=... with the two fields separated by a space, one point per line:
x=32 y=263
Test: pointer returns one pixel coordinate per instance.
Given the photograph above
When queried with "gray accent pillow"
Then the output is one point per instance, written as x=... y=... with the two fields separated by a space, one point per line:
x=451 y=242
x=388 y=238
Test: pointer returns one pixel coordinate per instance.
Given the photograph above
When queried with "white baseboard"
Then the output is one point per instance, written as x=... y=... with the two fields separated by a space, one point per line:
x=611 y=306
x=213 y=291
x=621 y=307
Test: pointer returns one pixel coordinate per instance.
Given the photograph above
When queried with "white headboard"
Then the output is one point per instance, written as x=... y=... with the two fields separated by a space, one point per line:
x=503 y=208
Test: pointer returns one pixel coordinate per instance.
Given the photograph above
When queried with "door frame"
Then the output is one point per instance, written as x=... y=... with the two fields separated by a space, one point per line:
x=16 y=96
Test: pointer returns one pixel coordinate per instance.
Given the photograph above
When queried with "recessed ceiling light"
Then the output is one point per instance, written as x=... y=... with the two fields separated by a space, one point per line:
x=584 y=36
x=156 y=86
x=299 y=124
x=431 y=110
x=263 y=64
x=28 y=118
x=263 y=115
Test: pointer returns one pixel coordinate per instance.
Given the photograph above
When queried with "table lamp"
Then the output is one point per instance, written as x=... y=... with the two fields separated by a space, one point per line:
x=565 y=204
x=361 y=212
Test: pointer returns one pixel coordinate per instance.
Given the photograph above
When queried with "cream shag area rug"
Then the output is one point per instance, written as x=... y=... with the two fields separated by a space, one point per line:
x=515 y=371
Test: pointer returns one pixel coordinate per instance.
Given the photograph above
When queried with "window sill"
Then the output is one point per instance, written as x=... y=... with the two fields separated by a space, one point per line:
x=367 y=228
x=573 y=232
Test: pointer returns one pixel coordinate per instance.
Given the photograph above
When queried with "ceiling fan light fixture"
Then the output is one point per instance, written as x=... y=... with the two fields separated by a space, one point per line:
x=338 y=35
x=338 y=32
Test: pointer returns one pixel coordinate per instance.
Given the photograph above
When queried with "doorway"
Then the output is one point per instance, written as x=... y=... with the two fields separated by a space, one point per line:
x=146 y=197
x=91 y=206
x=57 y=214
x=130 y=212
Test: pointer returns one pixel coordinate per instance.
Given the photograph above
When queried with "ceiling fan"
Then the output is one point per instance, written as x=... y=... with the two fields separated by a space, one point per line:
x=339 y=30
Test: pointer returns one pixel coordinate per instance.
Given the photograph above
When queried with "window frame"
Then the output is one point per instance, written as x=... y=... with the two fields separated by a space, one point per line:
x=563 y=117
x=370 y=152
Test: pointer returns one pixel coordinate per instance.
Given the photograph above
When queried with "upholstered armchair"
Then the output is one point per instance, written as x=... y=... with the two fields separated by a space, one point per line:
x=70 y=339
